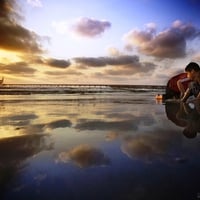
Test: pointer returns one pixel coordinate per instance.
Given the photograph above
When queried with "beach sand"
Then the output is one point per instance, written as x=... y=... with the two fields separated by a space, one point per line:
x=95 y=146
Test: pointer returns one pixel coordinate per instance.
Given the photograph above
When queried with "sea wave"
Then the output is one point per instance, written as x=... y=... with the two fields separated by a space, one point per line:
x=28 y=89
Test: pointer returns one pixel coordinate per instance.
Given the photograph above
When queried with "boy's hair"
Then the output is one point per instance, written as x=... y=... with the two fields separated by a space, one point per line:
x=192 y=66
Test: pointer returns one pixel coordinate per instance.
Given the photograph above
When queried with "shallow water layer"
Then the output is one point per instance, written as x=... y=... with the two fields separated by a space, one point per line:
x=97 y=146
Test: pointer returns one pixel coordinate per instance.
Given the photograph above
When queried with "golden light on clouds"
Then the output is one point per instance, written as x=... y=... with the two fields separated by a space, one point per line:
x=103 y=52
x=7 y=57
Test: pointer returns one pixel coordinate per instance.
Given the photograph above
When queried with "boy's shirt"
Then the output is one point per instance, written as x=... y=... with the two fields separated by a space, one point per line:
x=172 y=83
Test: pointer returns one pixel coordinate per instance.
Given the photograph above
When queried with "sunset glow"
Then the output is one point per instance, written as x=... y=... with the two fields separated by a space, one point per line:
x=123 y=42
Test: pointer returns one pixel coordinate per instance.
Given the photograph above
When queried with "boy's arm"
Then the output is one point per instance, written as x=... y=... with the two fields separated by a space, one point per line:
x=180 y=85
x=181 y=88
x=186 y=95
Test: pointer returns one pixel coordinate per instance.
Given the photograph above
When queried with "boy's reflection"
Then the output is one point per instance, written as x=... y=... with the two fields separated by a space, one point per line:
x=185 y=115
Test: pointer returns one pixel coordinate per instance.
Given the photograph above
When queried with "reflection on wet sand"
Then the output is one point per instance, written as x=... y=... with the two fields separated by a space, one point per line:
x=84 y=156
x=96 y=150
x=23 y=135
x=14 y=151
x=186 y=115
x=149 y=146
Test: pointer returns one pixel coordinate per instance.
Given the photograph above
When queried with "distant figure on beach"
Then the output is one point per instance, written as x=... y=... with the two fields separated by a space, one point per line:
x=178 y=84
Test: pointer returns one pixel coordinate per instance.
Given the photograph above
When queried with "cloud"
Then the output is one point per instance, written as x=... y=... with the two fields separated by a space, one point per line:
x=104 y=61
x=90 y=61
x=17 y=68
x=35 y=3
x=130 y=69
x=90 y=28
x=58 y=63
x=9 y=10
x=51 y=62
x=84 y=156
x=128 y=47
x=15 y=37
x=55 y=73
x=117 y=65
x=170 y=43
x=29 y=67
x=64 y=74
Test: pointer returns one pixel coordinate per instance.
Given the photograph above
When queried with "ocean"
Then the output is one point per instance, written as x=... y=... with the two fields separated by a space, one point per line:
x=74 y=88
x=97 y=142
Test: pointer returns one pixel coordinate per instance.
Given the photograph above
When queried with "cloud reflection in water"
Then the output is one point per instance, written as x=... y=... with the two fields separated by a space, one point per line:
x=84 y=156
x=58 y=138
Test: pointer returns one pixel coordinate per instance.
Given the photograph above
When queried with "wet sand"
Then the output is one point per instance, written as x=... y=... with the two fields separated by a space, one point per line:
x=106 y=146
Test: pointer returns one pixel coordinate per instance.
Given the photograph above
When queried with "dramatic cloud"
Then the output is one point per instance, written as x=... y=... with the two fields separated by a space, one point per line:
x=84 y=156
x=87 y=27
x=119 y=65
x=170 y=43
x=9 y=10
x=15 y=37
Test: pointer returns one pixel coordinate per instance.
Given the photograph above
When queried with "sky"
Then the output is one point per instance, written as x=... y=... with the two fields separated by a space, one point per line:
x=97 y=41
